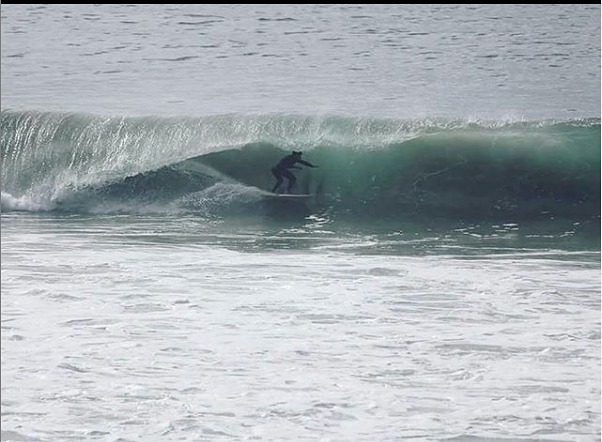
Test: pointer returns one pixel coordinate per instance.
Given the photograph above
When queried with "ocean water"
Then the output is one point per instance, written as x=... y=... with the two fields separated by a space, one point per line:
x=442 y=282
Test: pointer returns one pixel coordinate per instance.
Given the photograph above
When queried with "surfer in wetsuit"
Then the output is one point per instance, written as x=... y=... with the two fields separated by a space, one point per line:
x=281 y=170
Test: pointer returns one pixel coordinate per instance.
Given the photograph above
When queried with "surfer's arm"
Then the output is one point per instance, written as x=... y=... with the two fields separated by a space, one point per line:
x=306 y=163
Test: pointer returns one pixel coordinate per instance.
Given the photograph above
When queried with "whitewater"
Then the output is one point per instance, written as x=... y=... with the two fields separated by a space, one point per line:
x=441 y=283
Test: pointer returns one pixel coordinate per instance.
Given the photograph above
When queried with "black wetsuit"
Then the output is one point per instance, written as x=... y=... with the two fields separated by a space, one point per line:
x=281 y=170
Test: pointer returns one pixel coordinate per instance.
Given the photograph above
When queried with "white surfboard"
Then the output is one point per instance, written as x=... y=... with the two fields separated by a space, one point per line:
x=286 y=196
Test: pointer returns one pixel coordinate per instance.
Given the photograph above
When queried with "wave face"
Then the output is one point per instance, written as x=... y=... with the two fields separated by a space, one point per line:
x=383 y=168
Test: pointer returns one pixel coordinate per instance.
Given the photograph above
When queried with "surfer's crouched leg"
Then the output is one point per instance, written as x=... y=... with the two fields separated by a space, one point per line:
x=278 y=174
x=291 y=180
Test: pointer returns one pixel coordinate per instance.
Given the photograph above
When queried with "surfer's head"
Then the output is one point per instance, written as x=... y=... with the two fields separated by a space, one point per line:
x=298 y=154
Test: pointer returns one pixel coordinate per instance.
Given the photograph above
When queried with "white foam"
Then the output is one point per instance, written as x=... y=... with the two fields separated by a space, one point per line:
x=23 y=203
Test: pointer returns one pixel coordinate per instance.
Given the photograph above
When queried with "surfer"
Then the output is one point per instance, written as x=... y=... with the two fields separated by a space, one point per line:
x=281 y=170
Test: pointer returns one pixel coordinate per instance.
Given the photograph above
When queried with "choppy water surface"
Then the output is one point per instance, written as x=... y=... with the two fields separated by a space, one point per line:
x=410 y=61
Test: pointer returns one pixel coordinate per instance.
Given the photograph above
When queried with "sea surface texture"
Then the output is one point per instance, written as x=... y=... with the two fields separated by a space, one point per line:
x=441 y=283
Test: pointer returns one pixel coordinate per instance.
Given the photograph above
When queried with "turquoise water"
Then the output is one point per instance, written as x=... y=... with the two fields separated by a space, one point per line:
x=442 y=283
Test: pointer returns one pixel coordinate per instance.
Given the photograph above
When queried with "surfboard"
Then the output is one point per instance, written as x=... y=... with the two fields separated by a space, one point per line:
x=286 y=196
x=282 y=196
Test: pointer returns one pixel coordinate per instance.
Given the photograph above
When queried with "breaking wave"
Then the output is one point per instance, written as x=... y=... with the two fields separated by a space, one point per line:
x=73 y=162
